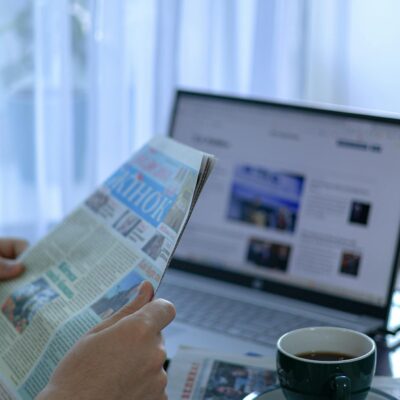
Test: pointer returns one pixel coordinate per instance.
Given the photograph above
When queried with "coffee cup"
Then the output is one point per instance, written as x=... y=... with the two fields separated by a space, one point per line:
x=325 y=363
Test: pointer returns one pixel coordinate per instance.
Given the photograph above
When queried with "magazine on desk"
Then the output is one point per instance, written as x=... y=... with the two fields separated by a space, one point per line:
x=200 y=374
x=92 y=263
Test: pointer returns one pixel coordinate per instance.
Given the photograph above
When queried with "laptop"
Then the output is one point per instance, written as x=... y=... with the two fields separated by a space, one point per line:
x=298 y=225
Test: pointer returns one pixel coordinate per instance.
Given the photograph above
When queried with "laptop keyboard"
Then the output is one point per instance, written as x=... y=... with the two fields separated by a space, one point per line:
x=237 y=318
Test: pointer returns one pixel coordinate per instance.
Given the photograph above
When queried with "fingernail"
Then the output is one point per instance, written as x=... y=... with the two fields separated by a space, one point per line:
x=140 y=290
x=11 y=269
x=10 y=264
x=18 y=267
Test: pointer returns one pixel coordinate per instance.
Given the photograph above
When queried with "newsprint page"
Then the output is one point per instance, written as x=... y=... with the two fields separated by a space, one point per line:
x=92 y=263
x=200 y=374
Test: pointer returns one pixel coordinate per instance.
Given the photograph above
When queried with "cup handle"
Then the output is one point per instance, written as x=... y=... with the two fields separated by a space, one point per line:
x=341 y=386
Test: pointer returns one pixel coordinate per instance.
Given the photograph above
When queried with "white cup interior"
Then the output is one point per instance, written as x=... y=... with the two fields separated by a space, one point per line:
x=326 y=339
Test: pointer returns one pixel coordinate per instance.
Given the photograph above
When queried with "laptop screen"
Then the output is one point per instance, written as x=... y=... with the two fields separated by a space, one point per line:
x=302 y=201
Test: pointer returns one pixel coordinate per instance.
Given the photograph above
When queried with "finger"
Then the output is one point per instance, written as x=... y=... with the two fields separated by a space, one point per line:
x=10 y=269
x=20 y=246
x=162 y=340
x=159 y=313
x=12 y=248
x=145 y=294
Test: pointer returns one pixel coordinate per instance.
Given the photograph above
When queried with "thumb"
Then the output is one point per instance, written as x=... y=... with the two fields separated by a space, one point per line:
x=10 y=268
x=145 y=294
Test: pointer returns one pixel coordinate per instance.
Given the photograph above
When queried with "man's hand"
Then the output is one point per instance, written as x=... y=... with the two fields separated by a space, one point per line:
x=121 y=358
x=10 y=249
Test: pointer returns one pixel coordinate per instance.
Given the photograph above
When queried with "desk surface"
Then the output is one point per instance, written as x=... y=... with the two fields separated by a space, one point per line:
x=388 y=362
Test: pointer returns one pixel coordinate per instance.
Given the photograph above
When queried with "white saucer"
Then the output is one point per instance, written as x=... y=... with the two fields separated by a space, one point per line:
x=277 y=394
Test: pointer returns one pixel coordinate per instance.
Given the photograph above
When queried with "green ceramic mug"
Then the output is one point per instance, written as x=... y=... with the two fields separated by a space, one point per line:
x=325 y=363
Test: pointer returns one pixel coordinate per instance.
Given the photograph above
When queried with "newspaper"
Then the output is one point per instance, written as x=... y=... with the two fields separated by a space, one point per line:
x=92 y=263
x=197 y=374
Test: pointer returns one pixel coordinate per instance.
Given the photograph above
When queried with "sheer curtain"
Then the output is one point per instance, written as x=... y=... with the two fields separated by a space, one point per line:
x=85 y=82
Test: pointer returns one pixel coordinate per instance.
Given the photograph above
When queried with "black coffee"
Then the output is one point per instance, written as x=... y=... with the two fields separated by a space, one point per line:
x=324 y=356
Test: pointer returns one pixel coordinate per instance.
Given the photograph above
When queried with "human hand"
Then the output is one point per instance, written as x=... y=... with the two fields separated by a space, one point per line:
x=10 y=249
x=121 y=358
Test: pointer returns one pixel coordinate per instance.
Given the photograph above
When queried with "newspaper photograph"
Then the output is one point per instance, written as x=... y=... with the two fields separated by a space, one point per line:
x=196 y=374
x=93 y=262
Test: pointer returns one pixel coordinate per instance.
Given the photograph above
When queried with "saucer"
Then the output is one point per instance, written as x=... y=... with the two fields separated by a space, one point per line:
x=277 y=394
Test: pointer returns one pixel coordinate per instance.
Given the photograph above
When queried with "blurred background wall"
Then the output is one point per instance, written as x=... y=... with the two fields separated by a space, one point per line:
x=85 y=82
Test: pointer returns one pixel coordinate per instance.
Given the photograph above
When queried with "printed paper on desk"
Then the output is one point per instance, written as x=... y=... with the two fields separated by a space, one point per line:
x=196 y=374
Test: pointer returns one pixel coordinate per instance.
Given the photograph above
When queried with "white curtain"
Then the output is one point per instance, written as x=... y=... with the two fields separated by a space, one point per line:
x=85 y=82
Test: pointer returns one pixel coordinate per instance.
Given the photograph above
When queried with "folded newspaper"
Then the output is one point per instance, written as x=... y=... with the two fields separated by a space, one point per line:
x=198 y=374
x=92 y=263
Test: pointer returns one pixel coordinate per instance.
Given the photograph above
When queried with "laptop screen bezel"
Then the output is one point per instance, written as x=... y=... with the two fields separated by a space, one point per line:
x=264 y=284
